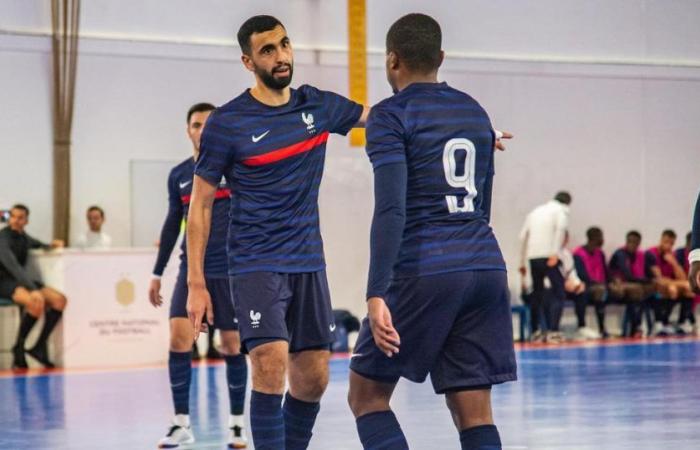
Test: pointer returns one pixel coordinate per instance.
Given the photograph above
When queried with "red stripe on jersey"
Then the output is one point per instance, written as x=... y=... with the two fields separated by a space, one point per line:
x=287 y=152
x=220 y=193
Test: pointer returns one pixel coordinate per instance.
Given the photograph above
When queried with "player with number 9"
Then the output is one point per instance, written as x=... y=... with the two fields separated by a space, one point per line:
x=437 y=293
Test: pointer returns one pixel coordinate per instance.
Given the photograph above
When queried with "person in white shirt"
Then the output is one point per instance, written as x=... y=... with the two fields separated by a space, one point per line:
x=95 y=237
x=541 y=238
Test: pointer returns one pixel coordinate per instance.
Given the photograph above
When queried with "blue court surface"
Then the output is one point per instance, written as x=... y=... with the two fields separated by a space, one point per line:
x=621 y=396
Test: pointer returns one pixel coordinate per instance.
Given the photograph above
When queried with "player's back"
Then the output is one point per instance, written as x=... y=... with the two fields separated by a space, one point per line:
x=448 y=149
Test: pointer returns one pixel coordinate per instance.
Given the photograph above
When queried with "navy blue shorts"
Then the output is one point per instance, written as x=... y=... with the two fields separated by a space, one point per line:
x=295 y=307
x=454 y=326
x=221 y=300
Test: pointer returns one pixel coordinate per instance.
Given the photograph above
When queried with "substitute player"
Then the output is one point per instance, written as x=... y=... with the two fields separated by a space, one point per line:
x=437 y=292
x=216 y=279
x=270 y=143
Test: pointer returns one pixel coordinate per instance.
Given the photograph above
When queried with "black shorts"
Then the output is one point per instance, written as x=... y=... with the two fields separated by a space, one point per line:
x=221 y=300
x=8 y=286
x=295 y=307
x=454 y=326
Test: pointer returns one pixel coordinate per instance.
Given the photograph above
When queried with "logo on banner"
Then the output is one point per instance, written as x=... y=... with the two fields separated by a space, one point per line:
x=125 y=292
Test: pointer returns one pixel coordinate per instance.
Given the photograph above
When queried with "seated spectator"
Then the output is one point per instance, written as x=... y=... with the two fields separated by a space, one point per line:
x=95 y=237
x=592 y=269
x=686 y=320
x=631 y=280
x=670 y=281
x=16 y=284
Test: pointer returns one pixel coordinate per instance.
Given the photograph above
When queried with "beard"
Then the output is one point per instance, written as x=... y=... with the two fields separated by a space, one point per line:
x=268 y=78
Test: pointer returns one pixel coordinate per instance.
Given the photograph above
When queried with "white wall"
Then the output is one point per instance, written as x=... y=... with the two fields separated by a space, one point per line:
x=604 y=98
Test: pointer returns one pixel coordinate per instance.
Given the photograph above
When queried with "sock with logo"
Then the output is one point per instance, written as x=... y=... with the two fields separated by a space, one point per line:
x=267 y=421
x=236 y=378
x=381 y=431
x=299 y=419
x=484 y=437
x=180 y=371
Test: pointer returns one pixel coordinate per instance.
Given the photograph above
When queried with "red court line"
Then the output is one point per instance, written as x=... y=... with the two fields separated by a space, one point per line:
x=615 y=342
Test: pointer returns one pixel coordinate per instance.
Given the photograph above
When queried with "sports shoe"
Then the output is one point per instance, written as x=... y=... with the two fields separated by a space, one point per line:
x=555 y=337
x=685 y=328
x=41 y=354
x=179 y=433
x=19 y=361
x=658 y=329
x=537 y=336
x=586 y=333
x=236 y=434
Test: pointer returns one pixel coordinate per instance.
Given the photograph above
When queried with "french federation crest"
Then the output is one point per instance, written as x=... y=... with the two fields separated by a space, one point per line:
x=309 y=121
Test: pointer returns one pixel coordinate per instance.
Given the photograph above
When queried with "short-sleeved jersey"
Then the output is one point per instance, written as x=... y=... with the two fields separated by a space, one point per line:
x=179 y=193
x=273 y=158
x=446 y=140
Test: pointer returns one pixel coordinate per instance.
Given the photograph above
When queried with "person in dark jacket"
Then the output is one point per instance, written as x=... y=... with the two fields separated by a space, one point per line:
x=16 y=284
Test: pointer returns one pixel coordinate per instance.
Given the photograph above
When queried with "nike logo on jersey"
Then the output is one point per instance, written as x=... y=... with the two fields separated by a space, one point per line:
x=257 y=138
x=331 y=327
x=184 y=185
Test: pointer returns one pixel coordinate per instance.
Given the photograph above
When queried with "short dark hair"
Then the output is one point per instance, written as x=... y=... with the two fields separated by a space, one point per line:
x=668 y=233
x=634 y=233
x=563 y=197
x=592 y=232
x=21 y=207
x=256 y=24
x=98 y=209
x=199 y=107
x=417 y=40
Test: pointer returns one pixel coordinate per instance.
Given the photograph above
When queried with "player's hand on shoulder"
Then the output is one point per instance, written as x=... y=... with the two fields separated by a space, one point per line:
x=385 y=335
x=500 y=137
x=154 y=293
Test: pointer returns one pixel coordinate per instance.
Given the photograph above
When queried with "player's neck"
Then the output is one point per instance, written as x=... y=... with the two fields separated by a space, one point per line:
x=410 y=79
x=195 y=155
x=270 y=97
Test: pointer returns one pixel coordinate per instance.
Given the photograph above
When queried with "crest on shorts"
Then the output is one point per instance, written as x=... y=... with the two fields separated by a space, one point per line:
x=255 y=318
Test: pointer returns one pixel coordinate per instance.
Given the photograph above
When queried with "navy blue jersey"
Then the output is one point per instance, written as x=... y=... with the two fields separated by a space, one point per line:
x=179 y=193
x=273 y=158
x=445 y=140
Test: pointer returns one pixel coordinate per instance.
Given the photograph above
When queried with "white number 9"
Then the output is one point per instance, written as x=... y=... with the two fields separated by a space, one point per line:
x=466 y=180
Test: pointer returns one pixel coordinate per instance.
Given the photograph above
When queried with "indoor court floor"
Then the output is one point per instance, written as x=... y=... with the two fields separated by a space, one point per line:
x=616 y=395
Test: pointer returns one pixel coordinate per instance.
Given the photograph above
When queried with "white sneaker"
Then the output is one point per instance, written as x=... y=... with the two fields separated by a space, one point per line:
x=554 y=337
x=658 y=329
x=586 y=333
x=668 y=330
x=179 y=433
x=686 y=328
x=236 y=434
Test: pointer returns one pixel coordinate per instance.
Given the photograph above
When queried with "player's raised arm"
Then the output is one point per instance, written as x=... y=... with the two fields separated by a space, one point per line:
x=198 y=225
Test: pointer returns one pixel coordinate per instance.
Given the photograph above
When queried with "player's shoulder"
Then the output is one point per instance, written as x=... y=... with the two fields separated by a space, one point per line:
x=230 y=109
x=391 y=108
x=181 y=168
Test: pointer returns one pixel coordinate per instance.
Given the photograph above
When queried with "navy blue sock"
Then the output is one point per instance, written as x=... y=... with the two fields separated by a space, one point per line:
x=484 y=437
x=266 y=421
x=381 y=431
x=180 y=369
x=299 y=419
x=236 y=378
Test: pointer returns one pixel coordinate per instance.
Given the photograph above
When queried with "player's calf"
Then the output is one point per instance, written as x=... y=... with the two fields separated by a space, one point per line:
x=236 y=379
x=471 y=413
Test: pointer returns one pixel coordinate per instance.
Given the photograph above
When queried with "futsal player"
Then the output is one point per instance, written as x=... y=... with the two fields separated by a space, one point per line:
x=270 y=143
x=694 y=256
x=215 y=276
x=686 y=320
x=592 y=268
x=437 y=294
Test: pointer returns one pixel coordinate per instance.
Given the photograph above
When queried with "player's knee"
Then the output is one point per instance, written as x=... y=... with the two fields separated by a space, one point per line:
x=180 y=342
x=60 y=303
x=269 y=366
x=36 y=304
x=672 y=292
x=230 y=343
